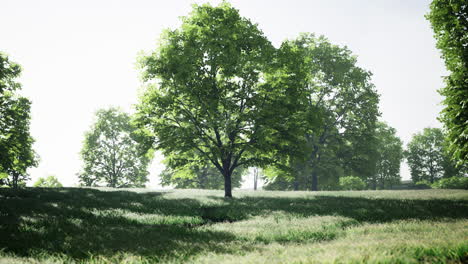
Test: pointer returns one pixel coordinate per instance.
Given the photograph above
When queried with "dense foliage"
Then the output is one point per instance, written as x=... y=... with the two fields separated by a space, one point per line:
x=347 y=103
x=382 y=150
x=352 y=183
x=449 y=19
x=452 y=183
x=336 y=113
x=113 y=153
x=16 y=153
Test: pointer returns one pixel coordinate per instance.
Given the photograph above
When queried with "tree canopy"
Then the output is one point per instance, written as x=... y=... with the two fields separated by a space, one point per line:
x=336 y=110
x=113 y=153
x=16 y=153
x=449 y=19
x=207 y=100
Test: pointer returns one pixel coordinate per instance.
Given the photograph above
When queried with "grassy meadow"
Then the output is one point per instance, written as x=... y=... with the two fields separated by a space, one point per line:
x=84 y=225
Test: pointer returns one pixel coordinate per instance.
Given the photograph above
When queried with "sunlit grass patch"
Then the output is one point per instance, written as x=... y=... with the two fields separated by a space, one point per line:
x=283 y=227
x=399 y=242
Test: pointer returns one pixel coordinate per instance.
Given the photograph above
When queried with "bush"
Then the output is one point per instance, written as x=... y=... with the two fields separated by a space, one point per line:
x=2 y=177
x=352 y=183
x=50 y=182
x=452 y=183
x=424 y=184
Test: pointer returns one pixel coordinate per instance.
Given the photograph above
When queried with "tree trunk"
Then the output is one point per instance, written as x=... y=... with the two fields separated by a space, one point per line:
x=255 y=178
x=316 y=159
x=314 y=180
x=112 y=182
x=296 y=185
x=227 y=184
x=15 y=177
x=431 y=172
x=202 y=179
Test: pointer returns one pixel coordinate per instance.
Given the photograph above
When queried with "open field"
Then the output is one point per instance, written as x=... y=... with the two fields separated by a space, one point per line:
x=198 y=226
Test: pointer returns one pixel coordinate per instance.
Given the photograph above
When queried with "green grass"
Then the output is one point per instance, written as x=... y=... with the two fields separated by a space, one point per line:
x=194 y=226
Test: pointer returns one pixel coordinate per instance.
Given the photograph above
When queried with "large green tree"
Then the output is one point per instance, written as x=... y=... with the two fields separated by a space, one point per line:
x=337 y=105
x=207 y=98
x=295 y=172
x=16 y=153
x=428 y=157
x=113 y=153
x=449 y=19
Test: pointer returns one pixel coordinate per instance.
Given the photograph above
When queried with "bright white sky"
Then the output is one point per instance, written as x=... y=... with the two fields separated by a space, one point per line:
x=79 y=56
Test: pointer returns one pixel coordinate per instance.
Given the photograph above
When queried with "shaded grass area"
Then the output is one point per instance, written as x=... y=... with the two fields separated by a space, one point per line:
x=73 y=224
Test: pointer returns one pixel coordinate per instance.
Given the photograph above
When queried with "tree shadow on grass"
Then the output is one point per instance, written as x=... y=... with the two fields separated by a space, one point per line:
x=361 y=209
x=81 y=223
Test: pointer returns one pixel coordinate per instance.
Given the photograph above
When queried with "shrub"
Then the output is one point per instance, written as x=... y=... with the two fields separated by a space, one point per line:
x=352 y=183
x=2 y=177
x=423 y=184
x=50 y=181
x=452 y=183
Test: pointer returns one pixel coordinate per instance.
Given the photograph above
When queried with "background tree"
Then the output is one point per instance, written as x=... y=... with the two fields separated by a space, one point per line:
x=428 y=157
x=16 y=153
x=113 y=152
x=198 y=177
x=48 y=182
x=295 y=175
x=210 y=98
x=9 y=71
x=389 y=157
x=449 y=20
x=359 y=154
x=338 y=104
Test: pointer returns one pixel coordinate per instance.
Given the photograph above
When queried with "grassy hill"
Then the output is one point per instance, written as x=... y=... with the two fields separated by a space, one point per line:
x=198 y=226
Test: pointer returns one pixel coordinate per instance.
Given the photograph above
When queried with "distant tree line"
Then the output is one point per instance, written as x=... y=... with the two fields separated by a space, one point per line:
x=220 y=98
